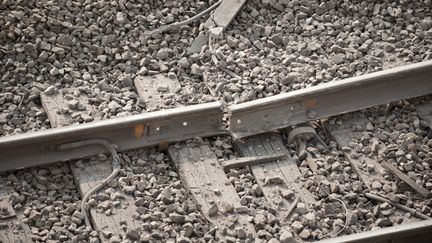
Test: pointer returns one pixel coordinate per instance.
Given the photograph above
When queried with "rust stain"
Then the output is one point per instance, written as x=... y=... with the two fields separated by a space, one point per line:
x=311 y=103
x=139 y=130
x=163 y=146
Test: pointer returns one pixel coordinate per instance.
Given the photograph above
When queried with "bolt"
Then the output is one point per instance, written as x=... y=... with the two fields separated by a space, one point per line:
x=312 y=114
x=4 y=211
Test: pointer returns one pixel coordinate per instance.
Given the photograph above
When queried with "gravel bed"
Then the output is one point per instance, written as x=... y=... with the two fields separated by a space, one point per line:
x=399 y=137
x=97 y=47
x=333 y=185
x=49 y=201
x=262 y=215
x=329 y=186
x=341 y=207
x=276 y=46
x=165 y=209
x=273 y=46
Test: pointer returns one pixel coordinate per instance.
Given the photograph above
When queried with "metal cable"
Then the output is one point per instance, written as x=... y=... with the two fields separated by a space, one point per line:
x=114 y=173
x=184 y=22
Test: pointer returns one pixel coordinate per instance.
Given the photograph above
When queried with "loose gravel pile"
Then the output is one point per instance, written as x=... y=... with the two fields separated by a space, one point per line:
x=400 y=138
x=334 y=186
x=403 y=140
x=165 y=211
x=49 y=201
x=341 y=207
x=276 y=46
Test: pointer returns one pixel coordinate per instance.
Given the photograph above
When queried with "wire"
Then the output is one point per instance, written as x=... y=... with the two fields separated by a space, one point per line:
x=345 y=208
x=184 y=22
x=114 y=173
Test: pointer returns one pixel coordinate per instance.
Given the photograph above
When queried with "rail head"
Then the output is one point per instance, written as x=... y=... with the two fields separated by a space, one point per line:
x=329 y=99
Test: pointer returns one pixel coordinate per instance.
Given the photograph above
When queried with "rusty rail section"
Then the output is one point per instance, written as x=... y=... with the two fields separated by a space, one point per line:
x=330 y=99
x=205 y=120
x=126 y=133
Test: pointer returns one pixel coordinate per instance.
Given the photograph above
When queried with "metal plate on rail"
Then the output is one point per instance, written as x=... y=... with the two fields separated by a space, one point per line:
x=329 y=99
x=130 y=132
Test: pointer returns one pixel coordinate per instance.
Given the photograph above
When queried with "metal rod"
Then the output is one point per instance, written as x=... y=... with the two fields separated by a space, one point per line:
x=177 y=25
x=251 y=160
x=397 y=205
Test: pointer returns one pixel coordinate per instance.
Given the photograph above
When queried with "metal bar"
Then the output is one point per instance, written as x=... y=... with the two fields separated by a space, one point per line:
x=384 y=235
x=131 y=132
x=329 y=99
x=250 y=160
x=404 y=177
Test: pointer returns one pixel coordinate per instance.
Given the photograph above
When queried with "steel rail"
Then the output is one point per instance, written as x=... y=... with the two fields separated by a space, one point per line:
x=205 y=120
x=41 y=147
x=418 y=232
x=330 y=99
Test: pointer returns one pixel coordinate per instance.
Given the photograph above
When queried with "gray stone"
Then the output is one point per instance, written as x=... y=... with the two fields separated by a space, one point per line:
x=120 y=17
x=164 y=53
x=51 y=90
x=196 y=70
x=216 y=32
x=301 y=208
x=177 y=218
x=287 y=237
x=183 y=62
x=305 y=234
x=297 y=226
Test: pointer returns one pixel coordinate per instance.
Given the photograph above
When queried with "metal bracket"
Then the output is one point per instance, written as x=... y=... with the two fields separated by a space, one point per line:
x=302 y=131
x=6 y=209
